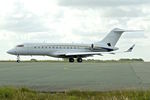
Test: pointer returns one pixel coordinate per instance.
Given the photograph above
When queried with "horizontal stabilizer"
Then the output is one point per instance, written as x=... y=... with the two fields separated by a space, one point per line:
x=123 y=30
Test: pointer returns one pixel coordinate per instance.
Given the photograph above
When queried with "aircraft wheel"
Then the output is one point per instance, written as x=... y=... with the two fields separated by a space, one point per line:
x=79 y=60
x=18 y=58
x=71 y=60
x=18 y=61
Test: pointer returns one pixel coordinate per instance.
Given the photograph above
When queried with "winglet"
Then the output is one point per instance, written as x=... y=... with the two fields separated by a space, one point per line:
x=131 y=48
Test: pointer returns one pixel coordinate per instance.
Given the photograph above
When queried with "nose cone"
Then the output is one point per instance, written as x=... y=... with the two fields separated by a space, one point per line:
x=11 y=51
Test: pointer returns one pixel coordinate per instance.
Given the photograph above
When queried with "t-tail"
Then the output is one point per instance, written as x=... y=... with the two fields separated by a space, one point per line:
x=112 y=38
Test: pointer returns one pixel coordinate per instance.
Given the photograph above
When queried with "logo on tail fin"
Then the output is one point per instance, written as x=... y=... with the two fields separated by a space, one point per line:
x=109 y=44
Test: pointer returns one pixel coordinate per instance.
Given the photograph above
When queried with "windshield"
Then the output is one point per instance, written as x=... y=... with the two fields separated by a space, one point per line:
x=20 y=45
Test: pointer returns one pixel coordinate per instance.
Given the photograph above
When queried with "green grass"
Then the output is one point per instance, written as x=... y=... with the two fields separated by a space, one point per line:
x=11 y=93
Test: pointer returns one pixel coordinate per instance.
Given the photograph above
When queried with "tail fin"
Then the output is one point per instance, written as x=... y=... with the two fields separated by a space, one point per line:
x=112 y=38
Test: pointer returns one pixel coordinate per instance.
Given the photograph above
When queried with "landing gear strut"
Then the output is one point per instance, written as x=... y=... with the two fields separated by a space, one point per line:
x=18 y=58
x=71 y=60
x=79 y=60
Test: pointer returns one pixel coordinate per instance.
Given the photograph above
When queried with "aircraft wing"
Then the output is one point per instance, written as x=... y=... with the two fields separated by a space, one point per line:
x=75 y=54
x=84 y=54
x=87 y=54
x=129 y=50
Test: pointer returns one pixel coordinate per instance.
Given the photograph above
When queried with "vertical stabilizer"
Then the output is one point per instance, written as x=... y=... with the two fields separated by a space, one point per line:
x=111 y=39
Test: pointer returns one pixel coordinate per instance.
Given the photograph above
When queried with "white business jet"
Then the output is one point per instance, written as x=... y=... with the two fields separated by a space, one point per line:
x=71 y=51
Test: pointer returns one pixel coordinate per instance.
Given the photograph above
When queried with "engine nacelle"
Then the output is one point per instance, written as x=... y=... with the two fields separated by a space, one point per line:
x=94 y=47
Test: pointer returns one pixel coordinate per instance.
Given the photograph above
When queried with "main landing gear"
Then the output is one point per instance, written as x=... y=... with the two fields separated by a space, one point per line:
x=18 y=58
x=71 y=60
x=79 y=60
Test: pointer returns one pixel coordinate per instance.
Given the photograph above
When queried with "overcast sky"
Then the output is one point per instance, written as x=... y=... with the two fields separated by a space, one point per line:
x=74 y=21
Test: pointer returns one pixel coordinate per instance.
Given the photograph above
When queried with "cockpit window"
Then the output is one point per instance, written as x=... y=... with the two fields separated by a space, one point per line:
x=20 y=45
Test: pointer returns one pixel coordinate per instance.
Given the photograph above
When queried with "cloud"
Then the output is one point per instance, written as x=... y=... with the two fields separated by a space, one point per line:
x=125 y=12
x=77 y=21
x=24 y=24
x=22 y=21
x=102 y=3
x=110 y=8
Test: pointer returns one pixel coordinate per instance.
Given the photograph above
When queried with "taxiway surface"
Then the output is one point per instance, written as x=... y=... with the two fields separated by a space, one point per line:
x=47 y=76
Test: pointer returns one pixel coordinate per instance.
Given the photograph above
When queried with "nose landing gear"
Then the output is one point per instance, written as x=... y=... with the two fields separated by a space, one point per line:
x=18 y=58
